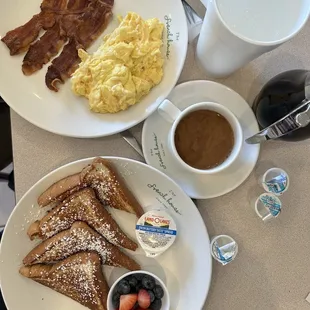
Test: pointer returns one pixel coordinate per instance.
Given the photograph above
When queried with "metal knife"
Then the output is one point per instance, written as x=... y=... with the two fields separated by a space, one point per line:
x=133 y=142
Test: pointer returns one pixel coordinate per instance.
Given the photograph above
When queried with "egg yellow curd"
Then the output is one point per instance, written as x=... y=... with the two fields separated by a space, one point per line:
x=127 y=65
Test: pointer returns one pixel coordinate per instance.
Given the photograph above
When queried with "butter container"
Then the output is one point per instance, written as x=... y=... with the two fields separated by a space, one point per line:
x=156 y=232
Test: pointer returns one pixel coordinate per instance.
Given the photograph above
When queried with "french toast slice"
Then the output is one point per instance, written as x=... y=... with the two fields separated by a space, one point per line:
x=79 y=277
x=110 y=187
x=80 y=237
x=81 y=206
x=60 y=190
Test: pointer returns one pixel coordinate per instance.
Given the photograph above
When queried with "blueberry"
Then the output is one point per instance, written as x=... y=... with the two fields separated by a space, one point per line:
x=123 y=287
x=139 y=276
x=156 y=304
x=151 y=295
x=138 y=287
x=132 y=281
x=148 y=282
x=158 y=291
x=116 y=299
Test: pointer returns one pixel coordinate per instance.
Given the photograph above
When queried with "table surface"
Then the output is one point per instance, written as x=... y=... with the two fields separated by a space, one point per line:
x=271 y=270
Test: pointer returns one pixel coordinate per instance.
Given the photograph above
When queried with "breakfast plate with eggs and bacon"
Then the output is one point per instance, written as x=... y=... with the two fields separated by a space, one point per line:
x=90 y=68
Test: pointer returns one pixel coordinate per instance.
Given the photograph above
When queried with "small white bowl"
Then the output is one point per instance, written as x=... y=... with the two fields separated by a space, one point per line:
x=165 y=300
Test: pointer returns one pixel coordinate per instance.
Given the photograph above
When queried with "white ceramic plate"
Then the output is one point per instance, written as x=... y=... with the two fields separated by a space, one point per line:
x=156 y=153
x=187 y=279
x=66 y=114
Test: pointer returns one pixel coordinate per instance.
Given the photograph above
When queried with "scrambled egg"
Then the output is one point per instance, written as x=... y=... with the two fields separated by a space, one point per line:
x=124 y=68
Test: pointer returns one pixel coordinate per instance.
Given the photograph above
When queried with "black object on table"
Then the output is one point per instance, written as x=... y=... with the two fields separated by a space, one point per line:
x=6 y=154
x=2 y=305
x=6 y=157
x=279 y=97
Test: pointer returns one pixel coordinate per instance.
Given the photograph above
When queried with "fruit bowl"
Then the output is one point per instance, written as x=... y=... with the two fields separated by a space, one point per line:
x=138 y=290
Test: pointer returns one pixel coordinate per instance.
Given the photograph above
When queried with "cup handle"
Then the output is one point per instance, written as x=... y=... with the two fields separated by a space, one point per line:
x=168 y=111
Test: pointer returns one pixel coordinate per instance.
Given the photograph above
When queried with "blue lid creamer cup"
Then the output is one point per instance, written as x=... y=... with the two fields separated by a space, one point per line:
x=156 y=232
x=275 y=181
x=224 y=249
x=268 y=206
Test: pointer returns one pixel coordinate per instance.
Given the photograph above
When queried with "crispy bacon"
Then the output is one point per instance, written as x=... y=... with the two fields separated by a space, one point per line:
x=77 y=5
x=19 y=39
x=63 y=66
x=53 y=40
x=89 y=26
x=50 y=5
x=79 y=22
x=93 y=22
x=43 y=50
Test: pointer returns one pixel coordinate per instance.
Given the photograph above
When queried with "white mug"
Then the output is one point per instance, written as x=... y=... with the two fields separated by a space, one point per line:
x=234 y=32
x=173 y=115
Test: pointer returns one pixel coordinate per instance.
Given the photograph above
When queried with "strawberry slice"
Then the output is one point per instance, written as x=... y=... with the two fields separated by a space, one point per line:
x=128 y=301
x=144 y=299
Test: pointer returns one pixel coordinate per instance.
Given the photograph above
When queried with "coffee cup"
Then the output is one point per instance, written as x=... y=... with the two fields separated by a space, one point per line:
x=205 y=138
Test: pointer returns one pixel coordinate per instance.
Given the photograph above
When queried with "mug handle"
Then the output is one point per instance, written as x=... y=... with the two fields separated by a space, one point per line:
x=168 y=111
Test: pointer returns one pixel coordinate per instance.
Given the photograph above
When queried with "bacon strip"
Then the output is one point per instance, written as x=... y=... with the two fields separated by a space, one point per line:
x=77 y=4
x=48 y=5
x=63 y=66
x=78 y=21
x=19 y=39
x=91 y=24
x=43 y=50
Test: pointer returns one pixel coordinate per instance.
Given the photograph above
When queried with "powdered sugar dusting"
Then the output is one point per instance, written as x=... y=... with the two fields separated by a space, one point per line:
x=82 y=206
x=103 y=190
x=34 y=214
x=125 y=171
x=77 y=240
x=106 y=188
x=77 y=279
x=105 y=185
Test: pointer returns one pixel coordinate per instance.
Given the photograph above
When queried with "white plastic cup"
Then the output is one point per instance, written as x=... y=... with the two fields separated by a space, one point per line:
x=269 y=175
x=263 y=210
x=224 y=243
x=234 y=32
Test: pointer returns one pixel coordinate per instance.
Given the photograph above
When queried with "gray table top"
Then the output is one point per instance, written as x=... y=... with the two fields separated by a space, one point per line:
x=271 y=270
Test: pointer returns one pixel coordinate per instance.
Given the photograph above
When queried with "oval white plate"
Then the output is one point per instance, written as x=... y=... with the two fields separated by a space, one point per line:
x=66 y=114
x=157 y=154
x=188 y=279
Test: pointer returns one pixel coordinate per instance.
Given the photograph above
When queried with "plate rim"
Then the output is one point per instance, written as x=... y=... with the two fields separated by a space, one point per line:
x=258 y=146
x=135 y=122
x=207 y=288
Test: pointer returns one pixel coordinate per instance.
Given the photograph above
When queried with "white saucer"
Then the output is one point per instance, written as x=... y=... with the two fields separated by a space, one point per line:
x=155 y=137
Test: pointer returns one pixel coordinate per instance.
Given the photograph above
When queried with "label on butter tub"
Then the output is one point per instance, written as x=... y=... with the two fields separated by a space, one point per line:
x=156 y=232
